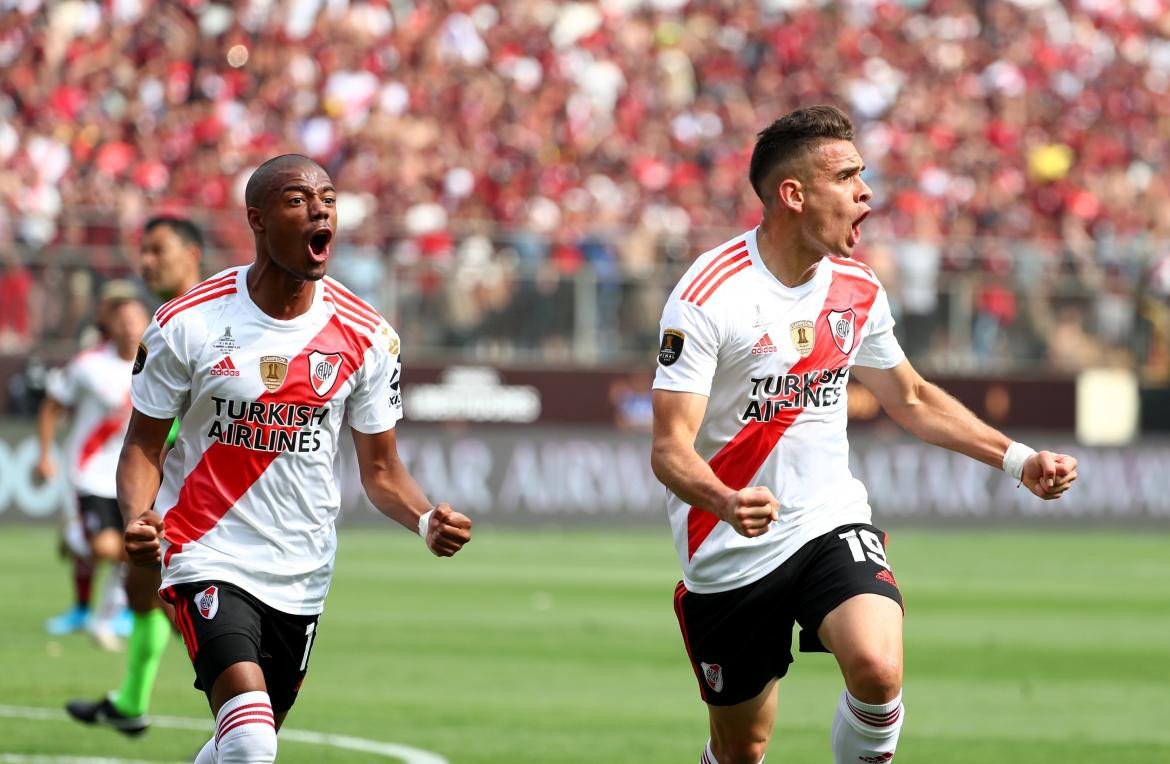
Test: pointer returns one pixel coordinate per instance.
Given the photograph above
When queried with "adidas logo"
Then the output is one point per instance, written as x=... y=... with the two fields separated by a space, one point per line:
x=225 y=368
x=764 y=346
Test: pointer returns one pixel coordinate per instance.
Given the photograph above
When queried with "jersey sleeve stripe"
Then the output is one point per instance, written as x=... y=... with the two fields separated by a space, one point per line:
x=854 y=264
x=198 y=289
x=162 y=321
x=340 y=299
x=349 y=315
x=716 y=261
x=726 y=275
x=743 y=456
x=731 y=262
x=353 y=301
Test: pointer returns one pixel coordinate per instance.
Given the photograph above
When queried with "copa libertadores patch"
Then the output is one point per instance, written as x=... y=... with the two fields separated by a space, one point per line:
x=672 y=345
x=139 y=358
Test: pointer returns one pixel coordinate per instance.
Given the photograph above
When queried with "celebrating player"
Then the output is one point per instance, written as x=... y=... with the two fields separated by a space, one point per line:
x=96 y=385
x=266 y=363
x=758 y=341
x=170 y=252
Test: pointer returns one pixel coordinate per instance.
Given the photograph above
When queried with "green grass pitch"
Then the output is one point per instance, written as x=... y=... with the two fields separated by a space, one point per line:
x=551 y=647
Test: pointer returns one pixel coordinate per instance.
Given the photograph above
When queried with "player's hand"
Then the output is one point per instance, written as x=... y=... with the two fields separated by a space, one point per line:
x=750 y=511
x=1048 y=474
x=46 y=468
x=144 y=539
x=447 y=531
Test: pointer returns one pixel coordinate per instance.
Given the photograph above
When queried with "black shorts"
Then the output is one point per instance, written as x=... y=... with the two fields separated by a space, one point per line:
x=222 y=624
x=739 y=640
x=98 y=514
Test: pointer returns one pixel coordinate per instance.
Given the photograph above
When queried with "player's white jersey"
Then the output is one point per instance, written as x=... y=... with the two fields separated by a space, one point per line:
x=249 y=494
x=774 y=362
x=96 y=384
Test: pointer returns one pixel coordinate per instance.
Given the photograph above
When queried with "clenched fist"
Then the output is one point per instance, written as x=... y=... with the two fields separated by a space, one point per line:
x=144 y=539
x=1048 y=474
x=447 y=531
x=750 y=511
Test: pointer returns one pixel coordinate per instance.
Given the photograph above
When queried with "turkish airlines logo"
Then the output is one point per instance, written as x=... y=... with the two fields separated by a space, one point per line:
x=323 y=368
x=841 y=328
x=208 y=602
x=713 y=673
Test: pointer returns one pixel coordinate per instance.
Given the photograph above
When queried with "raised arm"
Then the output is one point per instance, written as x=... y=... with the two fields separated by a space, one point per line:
x=394 y=492
x=139 y=476
x=681 y=469
x=930 y=414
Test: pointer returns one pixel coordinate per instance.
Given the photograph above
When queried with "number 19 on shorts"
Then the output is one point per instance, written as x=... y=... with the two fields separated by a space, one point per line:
x=865 y=543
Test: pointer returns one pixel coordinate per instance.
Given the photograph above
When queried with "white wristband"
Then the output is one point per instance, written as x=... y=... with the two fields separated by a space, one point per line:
x=423 y=522
x=1014 y=458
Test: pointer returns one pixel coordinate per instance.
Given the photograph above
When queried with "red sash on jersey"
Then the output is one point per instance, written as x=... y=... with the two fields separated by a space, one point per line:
x=226 y=472
x=738 y=461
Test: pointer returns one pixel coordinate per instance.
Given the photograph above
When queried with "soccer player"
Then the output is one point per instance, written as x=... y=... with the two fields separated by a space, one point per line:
x=96 y=386
x=170 y=253
x=267 y=363
x=758 y=341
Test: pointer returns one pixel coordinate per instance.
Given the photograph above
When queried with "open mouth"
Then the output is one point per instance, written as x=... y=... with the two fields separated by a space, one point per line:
x=855 y=231
x=319 y=244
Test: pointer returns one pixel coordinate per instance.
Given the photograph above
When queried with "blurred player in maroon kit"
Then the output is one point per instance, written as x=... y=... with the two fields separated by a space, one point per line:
x=758 y=341
x=169 y=257
x=268 y=365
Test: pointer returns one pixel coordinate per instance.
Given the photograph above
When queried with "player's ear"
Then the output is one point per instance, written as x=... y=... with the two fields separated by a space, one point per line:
x=790 y=194
x=255 y=221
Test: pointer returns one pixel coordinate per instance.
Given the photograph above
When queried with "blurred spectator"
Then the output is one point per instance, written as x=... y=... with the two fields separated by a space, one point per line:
x=606 y=141
x=16 y=286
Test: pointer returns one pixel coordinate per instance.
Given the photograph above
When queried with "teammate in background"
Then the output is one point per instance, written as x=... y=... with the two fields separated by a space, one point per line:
x=758 y=341
x=170 y=252
x=266 y=363
x=96 y=386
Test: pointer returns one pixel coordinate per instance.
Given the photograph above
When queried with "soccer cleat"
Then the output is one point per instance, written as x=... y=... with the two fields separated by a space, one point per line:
x=103 y=712
x=74 y=619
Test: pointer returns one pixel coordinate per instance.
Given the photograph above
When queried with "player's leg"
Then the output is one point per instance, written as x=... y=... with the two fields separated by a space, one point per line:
x=222 y=627
x=75 y=543
x=739 y=644
x=740 y=733
x=865 y=635
x=112 y=620
x=148 y=640
x=852 y=607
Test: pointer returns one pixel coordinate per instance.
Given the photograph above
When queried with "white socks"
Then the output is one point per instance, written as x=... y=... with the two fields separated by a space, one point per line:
x=245 y=732
x=866 y=733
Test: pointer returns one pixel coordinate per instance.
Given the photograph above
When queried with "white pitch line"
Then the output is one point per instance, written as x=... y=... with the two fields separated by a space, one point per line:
x=403 y=753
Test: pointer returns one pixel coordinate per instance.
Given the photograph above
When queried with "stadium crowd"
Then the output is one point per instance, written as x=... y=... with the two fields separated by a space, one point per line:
x=490 y=153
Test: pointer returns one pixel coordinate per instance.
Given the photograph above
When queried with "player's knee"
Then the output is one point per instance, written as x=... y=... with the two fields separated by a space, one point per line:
x=739 y=750
x=875 y=678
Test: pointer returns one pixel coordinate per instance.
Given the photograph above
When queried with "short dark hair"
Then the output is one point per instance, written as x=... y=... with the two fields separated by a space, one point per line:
x=791 y=135
x=183 y=228
x=260 y=182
